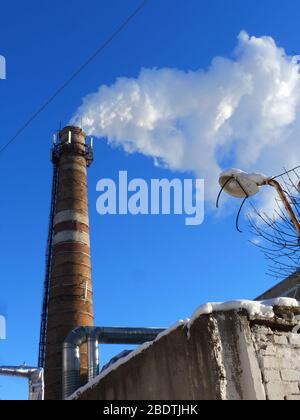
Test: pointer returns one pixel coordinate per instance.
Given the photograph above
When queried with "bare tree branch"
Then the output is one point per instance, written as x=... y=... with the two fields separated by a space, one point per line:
x=278 y=239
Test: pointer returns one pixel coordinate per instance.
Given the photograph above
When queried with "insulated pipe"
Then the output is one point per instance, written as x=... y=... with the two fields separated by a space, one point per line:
x=71 y=359
x=34 y=375
x=94 y=337
x=17 y=371
x=93 y=355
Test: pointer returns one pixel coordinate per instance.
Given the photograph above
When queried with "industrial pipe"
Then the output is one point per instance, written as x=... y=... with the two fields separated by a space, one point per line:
x=93 y=337
x=34 y=375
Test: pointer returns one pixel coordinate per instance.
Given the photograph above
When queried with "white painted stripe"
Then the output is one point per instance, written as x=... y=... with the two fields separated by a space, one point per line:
x=71 y=216
x=71 y=236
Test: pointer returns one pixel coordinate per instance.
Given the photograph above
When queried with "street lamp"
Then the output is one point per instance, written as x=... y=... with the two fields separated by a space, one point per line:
x=241 y=184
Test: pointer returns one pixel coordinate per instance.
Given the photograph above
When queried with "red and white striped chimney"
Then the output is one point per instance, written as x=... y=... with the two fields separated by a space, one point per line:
x=70 y=298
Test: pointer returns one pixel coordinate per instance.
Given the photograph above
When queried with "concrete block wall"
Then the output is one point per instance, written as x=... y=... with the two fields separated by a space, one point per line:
x=220 y=356
x=279 y=361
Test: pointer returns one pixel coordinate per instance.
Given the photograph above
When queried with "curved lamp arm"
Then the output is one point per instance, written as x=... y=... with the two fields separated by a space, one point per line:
x=275 y=184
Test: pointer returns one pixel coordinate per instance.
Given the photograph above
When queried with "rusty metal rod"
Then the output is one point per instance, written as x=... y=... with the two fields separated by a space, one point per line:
x=286 y=203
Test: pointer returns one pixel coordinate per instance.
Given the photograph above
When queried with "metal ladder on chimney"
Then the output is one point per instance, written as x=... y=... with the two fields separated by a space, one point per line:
x=47 y=281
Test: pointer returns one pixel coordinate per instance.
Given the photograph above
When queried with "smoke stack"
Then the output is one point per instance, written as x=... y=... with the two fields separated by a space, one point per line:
x=70 y=294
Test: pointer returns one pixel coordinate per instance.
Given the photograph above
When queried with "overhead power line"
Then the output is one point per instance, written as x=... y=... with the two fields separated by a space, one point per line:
x=105 y=44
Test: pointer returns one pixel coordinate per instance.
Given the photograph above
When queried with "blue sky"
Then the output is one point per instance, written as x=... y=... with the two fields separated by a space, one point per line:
x=147 y=271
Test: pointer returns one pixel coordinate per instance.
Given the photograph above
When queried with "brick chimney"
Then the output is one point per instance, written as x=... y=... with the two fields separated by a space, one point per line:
x=70 y=296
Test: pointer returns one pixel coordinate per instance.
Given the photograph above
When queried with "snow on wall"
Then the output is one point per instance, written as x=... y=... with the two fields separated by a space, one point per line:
x=254 y=308
x=262 y=309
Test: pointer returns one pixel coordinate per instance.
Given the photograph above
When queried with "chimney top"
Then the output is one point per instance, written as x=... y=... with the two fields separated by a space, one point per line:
x=77 y=134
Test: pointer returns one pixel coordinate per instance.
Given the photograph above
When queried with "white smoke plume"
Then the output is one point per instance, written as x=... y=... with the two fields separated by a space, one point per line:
x=242 y=112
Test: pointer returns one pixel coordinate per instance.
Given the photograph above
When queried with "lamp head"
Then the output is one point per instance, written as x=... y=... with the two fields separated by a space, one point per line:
x=240 y=184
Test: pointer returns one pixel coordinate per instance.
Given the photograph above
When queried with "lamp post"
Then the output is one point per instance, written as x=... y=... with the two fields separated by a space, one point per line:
x=240 y=184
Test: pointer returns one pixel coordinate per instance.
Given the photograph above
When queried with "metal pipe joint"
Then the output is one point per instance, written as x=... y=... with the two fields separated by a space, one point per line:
x=94 y=336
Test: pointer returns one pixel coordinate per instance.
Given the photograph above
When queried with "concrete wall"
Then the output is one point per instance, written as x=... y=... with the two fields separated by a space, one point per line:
x=223 y=356
x=279 y=362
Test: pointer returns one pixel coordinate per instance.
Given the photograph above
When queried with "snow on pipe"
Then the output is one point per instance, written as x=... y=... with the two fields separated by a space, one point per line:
x=94 y=337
